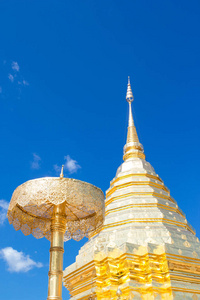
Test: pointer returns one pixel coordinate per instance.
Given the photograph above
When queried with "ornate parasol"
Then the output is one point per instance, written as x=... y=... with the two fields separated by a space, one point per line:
x=59 y=209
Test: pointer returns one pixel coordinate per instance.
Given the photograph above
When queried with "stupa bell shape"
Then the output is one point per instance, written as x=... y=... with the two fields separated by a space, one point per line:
x=146 y=248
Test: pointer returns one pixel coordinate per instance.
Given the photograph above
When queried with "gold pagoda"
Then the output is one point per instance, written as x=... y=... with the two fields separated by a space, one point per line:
x=146 y=249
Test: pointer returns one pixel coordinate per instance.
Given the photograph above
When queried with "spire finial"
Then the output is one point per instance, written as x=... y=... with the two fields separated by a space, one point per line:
x=129 y=94
x=133 y=148
x=61 y=173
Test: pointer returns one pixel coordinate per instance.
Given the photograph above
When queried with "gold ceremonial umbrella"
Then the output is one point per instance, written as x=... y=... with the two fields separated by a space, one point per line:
x=59 y=209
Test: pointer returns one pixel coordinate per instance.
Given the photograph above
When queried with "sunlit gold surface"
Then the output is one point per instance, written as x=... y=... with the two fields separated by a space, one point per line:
x=140 y=272
x=58 y=227
x=59 y=209
x=146 y=246
x=32 y=203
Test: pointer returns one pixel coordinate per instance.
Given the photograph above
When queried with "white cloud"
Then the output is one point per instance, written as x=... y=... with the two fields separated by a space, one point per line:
x=25 y=82
x=15 y=77
x=57 y=168
x=11 y=77
x=3 y=216
x=4 y=204
x=15 y=66
x=70 y=165
x=18 y=261
x=3 y=211
x=35 y=164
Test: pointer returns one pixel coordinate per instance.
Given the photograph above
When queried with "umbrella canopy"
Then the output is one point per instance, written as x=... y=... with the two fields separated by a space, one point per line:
x=32 y=204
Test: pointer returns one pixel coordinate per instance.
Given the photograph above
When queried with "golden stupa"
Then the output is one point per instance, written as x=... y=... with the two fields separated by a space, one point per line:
x=146 y=249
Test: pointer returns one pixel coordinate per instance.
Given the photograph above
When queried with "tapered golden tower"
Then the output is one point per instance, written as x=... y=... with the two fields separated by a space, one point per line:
x=146 y=248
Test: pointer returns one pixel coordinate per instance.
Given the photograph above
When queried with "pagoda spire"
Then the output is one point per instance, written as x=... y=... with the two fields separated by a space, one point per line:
x=133 y=148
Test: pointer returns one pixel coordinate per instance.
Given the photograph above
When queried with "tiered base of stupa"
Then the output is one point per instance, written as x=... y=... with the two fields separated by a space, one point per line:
x=147 y=273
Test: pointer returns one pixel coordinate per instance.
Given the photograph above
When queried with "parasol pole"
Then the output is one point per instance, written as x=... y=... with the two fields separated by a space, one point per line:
x=58 y=228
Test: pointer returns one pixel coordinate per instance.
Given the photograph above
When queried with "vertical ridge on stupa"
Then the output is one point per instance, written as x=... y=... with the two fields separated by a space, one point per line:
x=146 y=247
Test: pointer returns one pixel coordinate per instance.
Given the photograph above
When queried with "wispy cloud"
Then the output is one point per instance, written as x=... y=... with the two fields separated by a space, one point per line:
x=25 y=82
x=3 y=210
x=57 y=168
x=15 y=66
x=35 y=164
x=18 y=261
x=70 y=165
x=13 y=72
x=11 y=77
x=4 y=204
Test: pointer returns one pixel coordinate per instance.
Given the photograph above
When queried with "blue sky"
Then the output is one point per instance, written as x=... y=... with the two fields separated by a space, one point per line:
x=63 y=76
